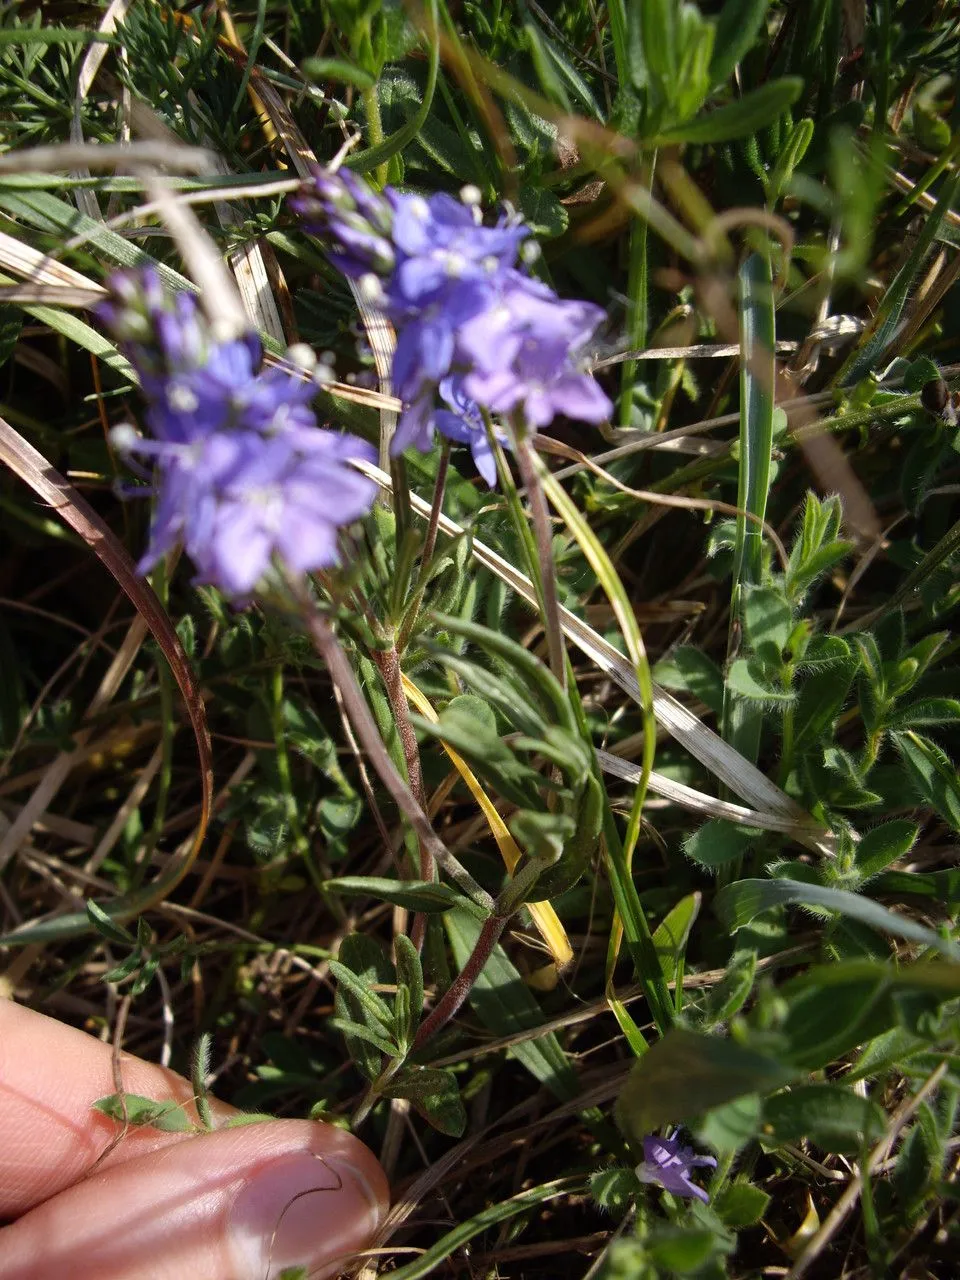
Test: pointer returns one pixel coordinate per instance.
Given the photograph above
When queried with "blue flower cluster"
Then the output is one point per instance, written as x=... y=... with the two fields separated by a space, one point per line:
x=243 y=473
x=472 y=324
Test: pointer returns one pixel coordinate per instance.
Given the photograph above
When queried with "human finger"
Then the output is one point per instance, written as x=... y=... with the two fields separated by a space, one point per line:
x=243 y=1203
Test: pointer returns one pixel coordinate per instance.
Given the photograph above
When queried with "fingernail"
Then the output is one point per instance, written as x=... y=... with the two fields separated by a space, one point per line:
x=301 y=1210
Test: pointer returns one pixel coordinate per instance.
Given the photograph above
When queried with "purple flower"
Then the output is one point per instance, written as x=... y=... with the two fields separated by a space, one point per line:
x=467 y=316
x=244 y=477
x=353 y=218
x=442 y=244
x=463 y=422
x=669 y=1164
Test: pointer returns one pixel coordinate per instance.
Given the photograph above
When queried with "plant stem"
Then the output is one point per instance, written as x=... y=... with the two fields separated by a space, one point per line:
x=371 y=106
x=364 y=725
x=540 y=519
x=460 y=988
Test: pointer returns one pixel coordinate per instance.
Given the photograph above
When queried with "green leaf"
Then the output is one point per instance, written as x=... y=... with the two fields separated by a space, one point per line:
x=671 y=934
x=542 y=212
x=740 y=1204
x=745 y=679
x=108 y=927
x=681 y=1250
x=835 y=1118
x=433 y=1092
x=352 y=1031
x=731 y=992
x=169 y=1117
x=718 y=843
x=415 y=895
x=737 y=119
x=410 y=976
x=737 y=28
x=728 y=1128
x=767 y=623
x=363 y=963
x=336 y=69
x=691 y=670
x=685 y=1074
x=832 y=1009
x=739 y=903
x=819 y=702
x=932 y=774
x=885 y=844
x=927 y=711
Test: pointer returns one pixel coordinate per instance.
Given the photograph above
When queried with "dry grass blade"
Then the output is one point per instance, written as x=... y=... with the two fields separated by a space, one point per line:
x=41 y=271
x=107 y=155
x=700 y=802
x=86 y=199
x=31 y=466
x=742 y=777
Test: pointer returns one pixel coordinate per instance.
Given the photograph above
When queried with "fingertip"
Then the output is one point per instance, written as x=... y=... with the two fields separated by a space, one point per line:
x=237 y=1204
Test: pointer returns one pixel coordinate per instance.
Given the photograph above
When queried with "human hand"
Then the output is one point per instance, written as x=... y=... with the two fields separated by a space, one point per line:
x=235 y=1204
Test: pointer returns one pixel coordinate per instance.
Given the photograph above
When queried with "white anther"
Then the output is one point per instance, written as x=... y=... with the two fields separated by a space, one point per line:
x=303 y=356
x=371 y=290
x=123 y=437
x=182 y=399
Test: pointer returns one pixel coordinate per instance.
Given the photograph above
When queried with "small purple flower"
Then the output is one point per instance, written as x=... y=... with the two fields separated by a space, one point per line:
x=244 y=476
x=463 y=422
x=442 y=244
x=669 y=1164
x=352 y=217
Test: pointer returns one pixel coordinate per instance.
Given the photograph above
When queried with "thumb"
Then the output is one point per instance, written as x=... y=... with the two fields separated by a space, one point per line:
x=236 y=1204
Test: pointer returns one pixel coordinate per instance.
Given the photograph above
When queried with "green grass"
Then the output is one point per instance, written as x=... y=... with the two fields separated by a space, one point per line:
x=757 y=583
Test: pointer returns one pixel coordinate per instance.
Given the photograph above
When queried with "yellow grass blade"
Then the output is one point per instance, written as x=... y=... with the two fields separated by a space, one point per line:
x=544 y=916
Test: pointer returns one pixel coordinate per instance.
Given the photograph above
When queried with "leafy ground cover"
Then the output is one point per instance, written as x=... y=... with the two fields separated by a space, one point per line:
x=671 y=706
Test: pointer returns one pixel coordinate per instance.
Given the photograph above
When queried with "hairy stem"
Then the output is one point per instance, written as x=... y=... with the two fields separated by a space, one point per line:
x=331 y=651
x=460 y=988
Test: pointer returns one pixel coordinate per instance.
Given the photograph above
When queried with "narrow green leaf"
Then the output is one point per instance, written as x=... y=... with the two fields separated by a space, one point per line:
x=415 y=895
x=737 y=28
x=932 y=773
x=671 y=934
x=739 y=903
x=337 y=69
x=429 y=1262
x=737 y=119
